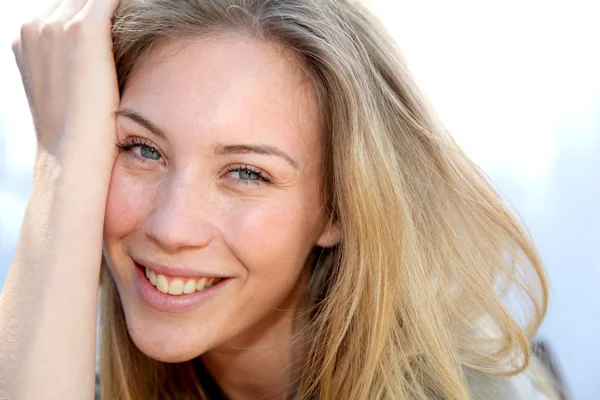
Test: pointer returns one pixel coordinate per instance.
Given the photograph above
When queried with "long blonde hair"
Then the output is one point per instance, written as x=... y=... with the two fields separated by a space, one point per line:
x=434 y=273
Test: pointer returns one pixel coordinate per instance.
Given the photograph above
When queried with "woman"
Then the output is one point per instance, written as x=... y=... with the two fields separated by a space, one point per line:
x=283 y=216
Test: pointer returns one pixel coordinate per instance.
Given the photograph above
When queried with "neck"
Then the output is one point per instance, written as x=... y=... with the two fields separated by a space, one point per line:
x=262 y=365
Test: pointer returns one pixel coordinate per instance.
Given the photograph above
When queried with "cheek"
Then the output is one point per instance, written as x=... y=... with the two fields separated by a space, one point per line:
x=127 y=204
x=273 y=239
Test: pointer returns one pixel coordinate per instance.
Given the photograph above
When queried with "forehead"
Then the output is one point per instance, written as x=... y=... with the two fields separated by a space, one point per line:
x=230 y=88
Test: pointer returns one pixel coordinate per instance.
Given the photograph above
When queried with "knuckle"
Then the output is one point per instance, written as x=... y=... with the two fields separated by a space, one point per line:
x=74 y=27
x=50 y=29
x=16 y=46
x=28 y=29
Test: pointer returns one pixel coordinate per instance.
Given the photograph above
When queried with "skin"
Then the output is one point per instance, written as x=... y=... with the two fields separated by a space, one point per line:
x=48 y=306
x=182 y=207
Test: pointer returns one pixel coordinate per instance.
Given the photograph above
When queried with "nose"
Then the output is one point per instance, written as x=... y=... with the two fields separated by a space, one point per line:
x=181 y=216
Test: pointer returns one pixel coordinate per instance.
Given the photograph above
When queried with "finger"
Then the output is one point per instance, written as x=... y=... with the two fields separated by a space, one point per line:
x=50 y=9
x=36 y=15
x=16 y=48
x=100 y=10
x=67 y=10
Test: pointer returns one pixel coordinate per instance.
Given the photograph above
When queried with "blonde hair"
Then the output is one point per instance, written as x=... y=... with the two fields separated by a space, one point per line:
x=434 y=273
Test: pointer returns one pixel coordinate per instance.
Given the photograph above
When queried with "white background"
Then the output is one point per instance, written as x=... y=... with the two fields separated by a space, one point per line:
x=517 y=82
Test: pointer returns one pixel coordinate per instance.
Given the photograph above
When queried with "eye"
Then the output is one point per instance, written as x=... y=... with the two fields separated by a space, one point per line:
x=248 y=175
x=147 y=151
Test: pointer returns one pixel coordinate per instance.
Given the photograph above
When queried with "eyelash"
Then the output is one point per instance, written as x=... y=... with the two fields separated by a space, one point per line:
x=132 y=143
x=249 y=169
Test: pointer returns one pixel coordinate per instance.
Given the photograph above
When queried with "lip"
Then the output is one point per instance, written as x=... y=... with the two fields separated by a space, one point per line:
x=169 y=303
x=175 y=271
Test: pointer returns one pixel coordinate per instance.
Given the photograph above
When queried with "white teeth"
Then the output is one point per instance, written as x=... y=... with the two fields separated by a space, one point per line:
x=176 y=287
x=190 y=286
x=201 y=284
x=162 y=284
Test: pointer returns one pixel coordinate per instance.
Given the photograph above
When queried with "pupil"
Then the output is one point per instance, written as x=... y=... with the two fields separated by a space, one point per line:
x=148 y=152
x=249 y=175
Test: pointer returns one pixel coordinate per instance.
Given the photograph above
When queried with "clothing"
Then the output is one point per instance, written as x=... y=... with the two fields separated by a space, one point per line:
x=518 y=387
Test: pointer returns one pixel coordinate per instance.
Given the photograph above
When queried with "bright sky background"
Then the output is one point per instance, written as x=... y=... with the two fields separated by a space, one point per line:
x=503 y=75
x=518 y=84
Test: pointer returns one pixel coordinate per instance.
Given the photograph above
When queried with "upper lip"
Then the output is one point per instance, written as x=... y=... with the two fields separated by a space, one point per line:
x=175 y=271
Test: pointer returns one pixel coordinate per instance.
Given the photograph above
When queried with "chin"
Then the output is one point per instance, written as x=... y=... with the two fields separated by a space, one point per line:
x=169 y=344
x=163 y=336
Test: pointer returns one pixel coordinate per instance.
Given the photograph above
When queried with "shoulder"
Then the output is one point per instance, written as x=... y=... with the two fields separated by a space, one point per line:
x=490 y=387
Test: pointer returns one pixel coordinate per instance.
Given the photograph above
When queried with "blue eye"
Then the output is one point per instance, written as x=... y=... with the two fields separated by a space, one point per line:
x=150 y=152
x=247 y=174
x=147 y=150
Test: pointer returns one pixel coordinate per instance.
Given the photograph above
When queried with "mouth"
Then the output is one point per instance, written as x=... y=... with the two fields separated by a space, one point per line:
x=176 y=294
x=178 y=286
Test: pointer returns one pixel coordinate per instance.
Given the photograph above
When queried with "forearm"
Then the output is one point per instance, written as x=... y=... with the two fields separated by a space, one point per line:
x=48 y=306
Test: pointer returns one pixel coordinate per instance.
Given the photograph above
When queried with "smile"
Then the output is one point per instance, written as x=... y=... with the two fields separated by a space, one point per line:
x=176 y=293
x=178 y=286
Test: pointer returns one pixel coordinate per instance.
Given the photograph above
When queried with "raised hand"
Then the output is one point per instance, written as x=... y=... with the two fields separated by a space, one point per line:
x=48 y=305
x=66 y=62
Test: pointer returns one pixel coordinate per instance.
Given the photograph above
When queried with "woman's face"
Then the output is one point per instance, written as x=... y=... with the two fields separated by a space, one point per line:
x=223 y=186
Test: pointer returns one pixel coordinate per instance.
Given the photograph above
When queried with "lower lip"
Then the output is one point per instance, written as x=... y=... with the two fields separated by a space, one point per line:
x=170 y=303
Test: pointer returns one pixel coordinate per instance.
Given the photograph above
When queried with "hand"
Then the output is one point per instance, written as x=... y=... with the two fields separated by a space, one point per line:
x=66 y=62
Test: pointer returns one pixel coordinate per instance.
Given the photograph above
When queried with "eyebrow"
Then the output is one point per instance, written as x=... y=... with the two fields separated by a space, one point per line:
x=220 y=149
x=137 y=118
